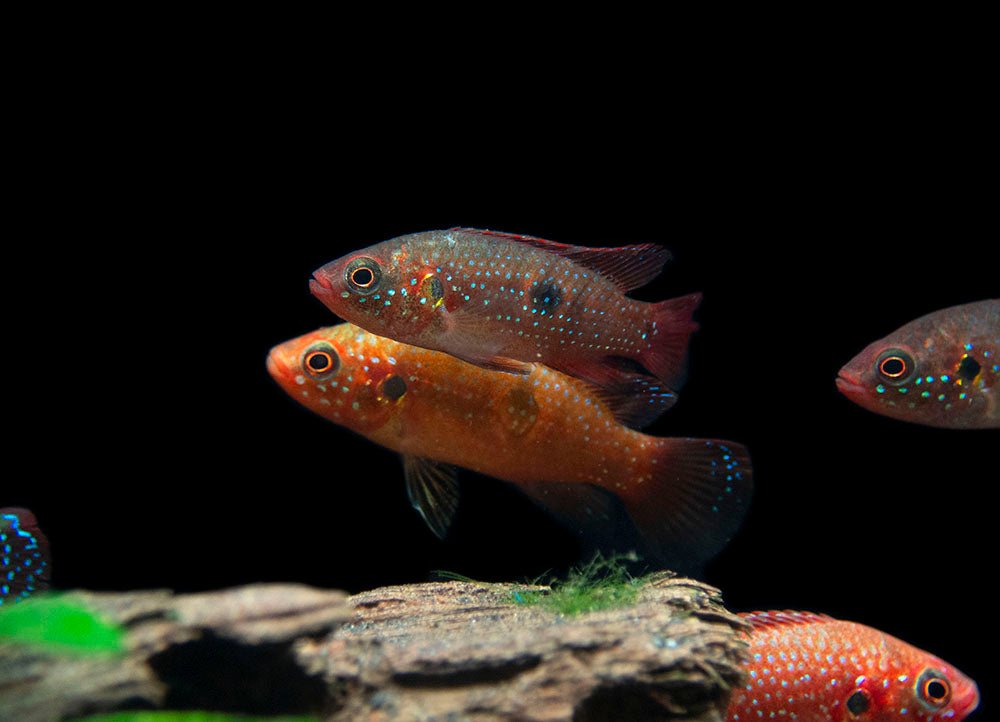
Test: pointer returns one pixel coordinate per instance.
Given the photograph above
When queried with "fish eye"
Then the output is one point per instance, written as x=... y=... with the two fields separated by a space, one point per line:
x=857 y=703
x=321 y=361
x=363 y=275
x=933 y=688
x=894 y=366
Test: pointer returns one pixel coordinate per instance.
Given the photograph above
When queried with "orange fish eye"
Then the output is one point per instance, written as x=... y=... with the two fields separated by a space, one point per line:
x=363 y=275
x=933 y=688
x=321 y=361
x=894 y=366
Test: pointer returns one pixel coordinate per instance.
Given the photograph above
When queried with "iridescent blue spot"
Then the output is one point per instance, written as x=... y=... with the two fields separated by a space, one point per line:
x=944 y=378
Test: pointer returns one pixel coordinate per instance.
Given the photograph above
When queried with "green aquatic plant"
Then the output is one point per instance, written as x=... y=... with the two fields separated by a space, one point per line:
x=601 y=583
x=59 y=624
x=188 y=717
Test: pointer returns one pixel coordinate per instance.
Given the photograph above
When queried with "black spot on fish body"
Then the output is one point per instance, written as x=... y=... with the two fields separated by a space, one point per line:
x=969 y=368
x=393 y=388
x=857 y=703
x=546 y=297
x=432 y=289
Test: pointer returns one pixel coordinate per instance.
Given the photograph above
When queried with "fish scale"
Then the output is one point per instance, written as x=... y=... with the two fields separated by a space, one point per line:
x=538 y=430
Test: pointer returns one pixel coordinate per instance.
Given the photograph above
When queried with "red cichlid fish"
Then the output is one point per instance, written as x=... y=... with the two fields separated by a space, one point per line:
x=812 y=668
x=560 y=440
x=25 y=560
x=940 y=370
x=503 y=302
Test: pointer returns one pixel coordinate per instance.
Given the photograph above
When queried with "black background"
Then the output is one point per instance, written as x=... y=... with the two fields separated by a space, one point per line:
x=167 y=244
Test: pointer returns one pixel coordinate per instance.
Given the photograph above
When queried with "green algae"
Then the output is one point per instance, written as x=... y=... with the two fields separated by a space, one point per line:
x=56 y=623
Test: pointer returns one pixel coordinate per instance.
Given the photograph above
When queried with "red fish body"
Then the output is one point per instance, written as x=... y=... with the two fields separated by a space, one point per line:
x=25 y=560
x=940 y=370
x=560 y=440
x=813 y=668
x=503 y=301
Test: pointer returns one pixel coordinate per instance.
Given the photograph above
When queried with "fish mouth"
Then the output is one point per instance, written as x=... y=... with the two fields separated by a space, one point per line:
x=320 y=284
x=276 y=366
x=849 y=384
x=967 y=703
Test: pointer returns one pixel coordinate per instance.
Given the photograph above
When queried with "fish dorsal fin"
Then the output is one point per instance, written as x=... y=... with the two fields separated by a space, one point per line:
x=761 y=620
x=628 y=267
x=432 y=487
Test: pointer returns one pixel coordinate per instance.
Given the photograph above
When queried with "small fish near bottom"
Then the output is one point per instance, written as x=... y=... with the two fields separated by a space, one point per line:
x=813 y=668
x=566 y=444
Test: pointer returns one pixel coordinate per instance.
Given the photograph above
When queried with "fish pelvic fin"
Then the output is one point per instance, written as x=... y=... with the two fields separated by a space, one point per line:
x=694 y=502
x=432 y=487
x=666 y=358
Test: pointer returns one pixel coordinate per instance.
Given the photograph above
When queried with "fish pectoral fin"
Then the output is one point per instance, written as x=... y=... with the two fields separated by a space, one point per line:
x=463 y=339
x=432 y=487
x=506 y=365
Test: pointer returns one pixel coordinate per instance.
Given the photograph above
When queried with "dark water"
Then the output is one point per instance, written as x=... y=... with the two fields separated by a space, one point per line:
x=162 y=454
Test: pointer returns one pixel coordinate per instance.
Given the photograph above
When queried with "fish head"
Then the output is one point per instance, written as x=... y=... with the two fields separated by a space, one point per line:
x=924 y=383
x=925 y=685
x=343 y=374
x=392 y=289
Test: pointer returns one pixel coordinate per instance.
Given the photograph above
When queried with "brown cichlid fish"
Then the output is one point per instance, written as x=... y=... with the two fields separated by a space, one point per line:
x=561 y=441
x=503 y=301
x=939 y=370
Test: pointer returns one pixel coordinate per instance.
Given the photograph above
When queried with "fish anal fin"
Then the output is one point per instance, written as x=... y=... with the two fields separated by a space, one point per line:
x=694 y=500
x=432 y=487
x=628 y=267
x=595 y=514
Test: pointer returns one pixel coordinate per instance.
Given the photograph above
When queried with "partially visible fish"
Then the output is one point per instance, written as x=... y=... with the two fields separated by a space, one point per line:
x=813 y=668
x=503 y=302
x=25 y=562
x=558 y=439
x=940 y=370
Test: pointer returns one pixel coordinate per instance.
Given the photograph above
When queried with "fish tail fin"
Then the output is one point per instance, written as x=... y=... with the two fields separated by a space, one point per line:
x=26 y=563
x=666 y=358
x=692 y=501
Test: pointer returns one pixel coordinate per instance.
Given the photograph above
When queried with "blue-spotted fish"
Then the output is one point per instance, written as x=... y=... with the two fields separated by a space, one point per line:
x=813 y=668
x=560 y=440
x=505 y=301
x=25 y=563
x=940 y=370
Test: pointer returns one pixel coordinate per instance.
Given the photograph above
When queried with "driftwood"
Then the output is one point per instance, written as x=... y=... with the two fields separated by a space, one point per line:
x=436 y=651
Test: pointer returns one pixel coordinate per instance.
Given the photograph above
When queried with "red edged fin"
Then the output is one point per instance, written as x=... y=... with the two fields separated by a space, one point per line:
x=694 y=502
x=763 y=620
x=672 y=325
x=628 y=267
